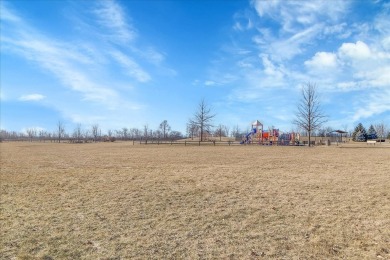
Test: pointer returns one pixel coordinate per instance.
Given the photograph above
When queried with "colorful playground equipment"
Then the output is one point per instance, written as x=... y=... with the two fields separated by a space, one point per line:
x=272 y=136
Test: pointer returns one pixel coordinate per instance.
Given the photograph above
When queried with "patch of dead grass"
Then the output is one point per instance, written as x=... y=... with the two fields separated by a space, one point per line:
x=116 y=200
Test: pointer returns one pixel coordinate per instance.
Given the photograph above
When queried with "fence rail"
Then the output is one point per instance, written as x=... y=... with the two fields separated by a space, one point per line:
x=189 y=143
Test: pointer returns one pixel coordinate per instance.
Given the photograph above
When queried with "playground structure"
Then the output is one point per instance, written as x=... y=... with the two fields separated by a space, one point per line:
x=272 y=136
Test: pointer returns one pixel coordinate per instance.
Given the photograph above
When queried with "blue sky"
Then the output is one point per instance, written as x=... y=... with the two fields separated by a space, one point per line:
x=131 y=63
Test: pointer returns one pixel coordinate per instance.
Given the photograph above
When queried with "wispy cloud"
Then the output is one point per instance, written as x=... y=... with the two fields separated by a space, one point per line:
x=61 y=61
x=294 y=16
x=111 y=16
x=32 y=97
x=130 y=66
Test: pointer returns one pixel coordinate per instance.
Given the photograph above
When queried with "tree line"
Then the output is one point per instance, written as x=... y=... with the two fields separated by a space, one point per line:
x=93 y=133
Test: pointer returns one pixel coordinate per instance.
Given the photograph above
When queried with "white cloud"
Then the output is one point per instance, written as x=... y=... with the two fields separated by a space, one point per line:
x=111 y=15
x=266 y=7
x=322 y=60
x=221 y=80
x=7 y=14
x=243 y=21
x=295 y=15
x=301 y=24
x=270 y=69
x=286 y=48
x=360 y=50
x=131 y=67
x=32 y=97
x=340 y=30
x=210 y=83
x=375 y=103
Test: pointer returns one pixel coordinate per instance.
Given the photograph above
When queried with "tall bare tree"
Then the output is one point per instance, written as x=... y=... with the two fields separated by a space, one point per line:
x=309 y=116
x=203 y=118
x=165 y=128
x=60 y=130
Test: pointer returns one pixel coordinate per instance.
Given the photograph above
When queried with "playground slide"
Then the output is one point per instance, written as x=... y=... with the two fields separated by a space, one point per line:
x=247 y=136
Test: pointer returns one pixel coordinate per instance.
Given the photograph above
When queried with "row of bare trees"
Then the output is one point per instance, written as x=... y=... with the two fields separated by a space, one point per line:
x=93 y=133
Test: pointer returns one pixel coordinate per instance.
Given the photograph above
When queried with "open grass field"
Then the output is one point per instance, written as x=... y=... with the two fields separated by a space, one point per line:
x=119 y=201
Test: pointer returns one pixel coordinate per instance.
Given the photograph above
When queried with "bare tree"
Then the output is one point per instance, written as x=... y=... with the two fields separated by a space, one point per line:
x=31 y=132
x=135 y=133
x=146 y=131
x=165 y=128
x=125 y=133
x=309 y=116
x=226 y=129
x=95 y=132
x=381 y=130
x=158 y=134
x=42 y=135
x=174 y=135
x=60 y=130
x=220 y=131
x=236 y=132
x=78 y=134
x=118 y=134
x=203 y=118
x=87 y=135
x=192 y=130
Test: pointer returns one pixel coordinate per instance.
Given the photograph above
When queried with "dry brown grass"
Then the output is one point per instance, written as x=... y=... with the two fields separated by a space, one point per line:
x=119 y=201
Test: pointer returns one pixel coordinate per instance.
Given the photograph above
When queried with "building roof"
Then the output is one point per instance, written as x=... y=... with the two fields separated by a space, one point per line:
x=339 y=131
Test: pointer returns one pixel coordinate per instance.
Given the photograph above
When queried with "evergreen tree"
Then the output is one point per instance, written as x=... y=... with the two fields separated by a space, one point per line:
x=372 y=133
x=359 y=128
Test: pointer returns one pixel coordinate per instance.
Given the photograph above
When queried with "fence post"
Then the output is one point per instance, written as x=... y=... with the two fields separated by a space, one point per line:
x=214 y=142
x=185 y=143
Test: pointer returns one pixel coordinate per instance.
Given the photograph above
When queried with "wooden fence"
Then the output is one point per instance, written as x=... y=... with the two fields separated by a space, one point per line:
x=188 y=143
